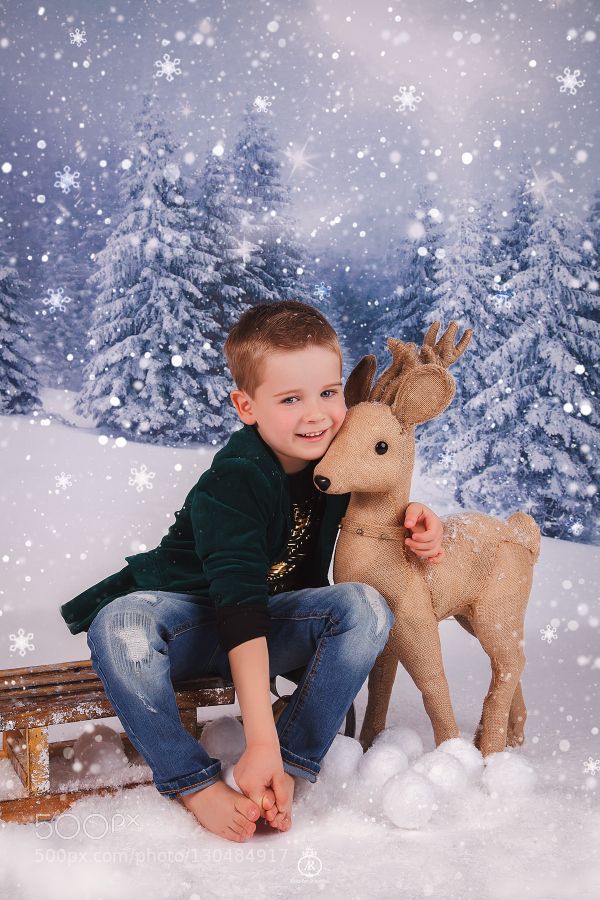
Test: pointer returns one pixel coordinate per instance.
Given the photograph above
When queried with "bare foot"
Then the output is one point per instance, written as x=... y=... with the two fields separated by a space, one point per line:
x=281 y=818
x=223 y=811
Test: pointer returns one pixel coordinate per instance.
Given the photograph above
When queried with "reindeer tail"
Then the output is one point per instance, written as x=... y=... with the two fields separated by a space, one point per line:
x=525 y=531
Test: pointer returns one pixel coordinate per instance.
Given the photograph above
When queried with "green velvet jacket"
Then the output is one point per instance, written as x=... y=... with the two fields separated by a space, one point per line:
x=234 y=524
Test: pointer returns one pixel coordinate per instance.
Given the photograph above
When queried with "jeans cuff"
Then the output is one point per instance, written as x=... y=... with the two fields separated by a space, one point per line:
x=298 y=765
x=187 y=784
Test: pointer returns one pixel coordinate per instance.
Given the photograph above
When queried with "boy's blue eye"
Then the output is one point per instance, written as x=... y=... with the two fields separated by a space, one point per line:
x=328 y=391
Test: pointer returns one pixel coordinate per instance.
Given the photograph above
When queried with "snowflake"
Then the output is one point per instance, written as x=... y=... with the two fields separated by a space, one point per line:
x=407 y=98
x=78 y=37
x=22 y=641
x=63 y=481
x=549 y=633
x=501 y=299
x=577 y=528
x=322 y=291
x=66 y=179
x=167 y=67
x=141 y=478
x=56 y=300
x=569 y=80
x=591 y=766
x=261 y=104
x=446 y=459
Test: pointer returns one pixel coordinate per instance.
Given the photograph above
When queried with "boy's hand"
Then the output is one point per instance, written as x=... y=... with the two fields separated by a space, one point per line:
x=427 y=531
x=259 y=771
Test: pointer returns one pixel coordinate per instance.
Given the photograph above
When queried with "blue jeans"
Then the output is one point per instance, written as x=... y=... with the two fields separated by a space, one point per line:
x=144 y=642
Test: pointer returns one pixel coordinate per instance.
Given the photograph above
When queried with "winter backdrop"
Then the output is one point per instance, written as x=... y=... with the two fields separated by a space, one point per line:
x=166 y=165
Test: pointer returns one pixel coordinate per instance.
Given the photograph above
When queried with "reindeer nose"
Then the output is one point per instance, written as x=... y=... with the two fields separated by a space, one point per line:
x=321 y=482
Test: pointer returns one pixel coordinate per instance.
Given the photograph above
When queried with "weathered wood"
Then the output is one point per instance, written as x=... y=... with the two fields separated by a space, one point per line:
x=73 y=692
x=38 y=761
x=35 y=697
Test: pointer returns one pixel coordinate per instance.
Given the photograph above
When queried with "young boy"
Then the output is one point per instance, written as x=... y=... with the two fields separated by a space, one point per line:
x=238 y=587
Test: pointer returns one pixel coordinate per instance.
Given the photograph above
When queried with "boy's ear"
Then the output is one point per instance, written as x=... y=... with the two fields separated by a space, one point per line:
x=239 y=399
x=358 y=385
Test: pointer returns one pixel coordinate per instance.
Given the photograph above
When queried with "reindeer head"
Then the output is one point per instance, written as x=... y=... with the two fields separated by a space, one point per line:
x=373 y=452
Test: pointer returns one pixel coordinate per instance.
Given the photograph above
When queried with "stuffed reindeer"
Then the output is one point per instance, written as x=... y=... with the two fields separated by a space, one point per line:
x=484 y=577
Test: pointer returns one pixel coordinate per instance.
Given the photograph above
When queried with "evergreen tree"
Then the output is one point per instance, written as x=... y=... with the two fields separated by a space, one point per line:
x=153 y=332
x=465 y=293
x=404 y=310
x=536 y=444
x=265 y=222
x=18 y=382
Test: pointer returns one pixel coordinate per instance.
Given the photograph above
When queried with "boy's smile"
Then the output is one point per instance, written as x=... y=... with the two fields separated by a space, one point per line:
x=301 y=394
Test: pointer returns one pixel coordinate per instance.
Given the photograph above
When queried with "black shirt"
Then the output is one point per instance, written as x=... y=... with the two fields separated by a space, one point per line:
x=297 y=568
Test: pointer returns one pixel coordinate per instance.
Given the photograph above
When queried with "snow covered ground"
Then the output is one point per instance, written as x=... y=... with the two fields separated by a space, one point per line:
x=524 y=827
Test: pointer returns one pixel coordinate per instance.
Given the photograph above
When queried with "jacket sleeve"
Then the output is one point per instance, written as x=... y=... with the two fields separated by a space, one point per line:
x=230 y=513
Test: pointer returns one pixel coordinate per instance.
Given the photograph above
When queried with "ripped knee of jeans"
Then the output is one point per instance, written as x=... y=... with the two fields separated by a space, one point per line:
x=129 y=632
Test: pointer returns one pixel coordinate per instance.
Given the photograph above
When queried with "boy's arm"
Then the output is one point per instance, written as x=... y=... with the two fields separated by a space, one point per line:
x=249 y=664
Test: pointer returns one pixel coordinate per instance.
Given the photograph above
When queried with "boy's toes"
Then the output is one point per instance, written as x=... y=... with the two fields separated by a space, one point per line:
x=282 y=821
x=246 y=828
x=248 y=808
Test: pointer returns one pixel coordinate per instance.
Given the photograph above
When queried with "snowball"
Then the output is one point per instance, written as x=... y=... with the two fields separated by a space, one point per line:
x=408 y=800
x=341 y=760
x=378 y=765
x=223 y=739
x=98 y=751
x=467 y=754
x=508 y=775
x=442 y=770
x=404 y=738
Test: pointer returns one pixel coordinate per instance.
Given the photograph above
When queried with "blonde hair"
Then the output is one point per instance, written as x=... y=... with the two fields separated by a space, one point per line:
x=283 y=325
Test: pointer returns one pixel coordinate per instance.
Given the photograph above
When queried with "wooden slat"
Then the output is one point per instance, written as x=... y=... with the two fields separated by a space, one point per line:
x=96 y=705
x=33 y=695
x=48 y=667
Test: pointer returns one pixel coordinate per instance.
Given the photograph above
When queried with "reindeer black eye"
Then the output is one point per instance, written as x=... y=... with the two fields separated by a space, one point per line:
x=381 y=447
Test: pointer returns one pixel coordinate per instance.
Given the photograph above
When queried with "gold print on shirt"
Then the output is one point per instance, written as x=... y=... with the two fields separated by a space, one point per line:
x=297 y=545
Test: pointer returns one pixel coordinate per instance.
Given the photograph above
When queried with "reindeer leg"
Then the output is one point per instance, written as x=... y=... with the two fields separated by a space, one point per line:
x=498 y=622
x=381 y=683
x=515 y=733
x=417 y=646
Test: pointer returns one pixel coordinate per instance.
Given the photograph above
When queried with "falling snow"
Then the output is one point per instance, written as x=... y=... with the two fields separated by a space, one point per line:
x=66 y=180
x=141 y=478
x=570 y=80
x=406 y=98
x=549 y=633
x=22 y=642
x=63 y=481
x=56 y=300
x=167 y=67
x=78 y=37
x=261 y=104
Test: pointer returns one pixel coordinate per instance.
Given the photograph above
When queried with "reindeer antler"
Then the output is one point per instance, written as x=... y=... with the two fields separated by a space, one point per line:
x=404 y=356
x=444 y=352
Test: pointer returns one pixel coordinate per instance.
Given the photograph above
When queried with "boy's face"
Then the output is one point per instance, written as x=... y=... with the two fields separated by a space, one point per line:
x=301 y=392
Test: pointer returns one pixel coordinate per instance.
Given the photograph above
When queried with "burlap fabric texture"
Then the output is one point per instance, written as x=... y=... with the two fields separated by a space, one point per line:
x=485 y=577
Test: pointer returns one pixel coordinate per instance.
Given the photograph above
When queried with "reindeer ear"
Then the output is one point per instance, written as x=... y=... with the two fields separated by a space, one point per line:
x=358 y=385
x=423 y=394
